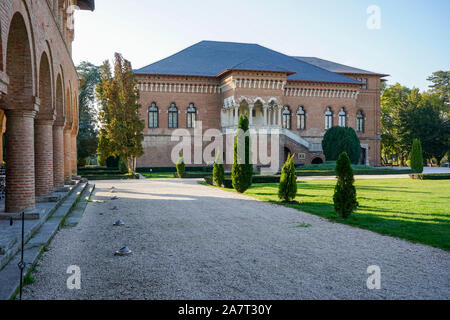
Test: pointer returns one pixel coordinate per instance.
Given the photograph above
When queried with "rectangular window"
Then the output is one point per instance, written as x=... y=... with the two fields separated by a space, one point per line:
x=301 y=122
x=173 y=120
x=328 y=122
x=191 y=118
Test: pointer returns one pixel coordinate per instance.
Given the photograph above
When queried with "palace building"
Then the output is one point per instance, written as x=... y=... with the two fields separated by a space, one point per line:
x=38 y=98
x=215 y=82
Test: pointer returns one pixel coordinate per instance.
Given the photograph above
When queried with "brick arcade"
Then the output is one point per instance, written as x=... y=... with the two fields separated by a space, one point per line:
x=38 y=97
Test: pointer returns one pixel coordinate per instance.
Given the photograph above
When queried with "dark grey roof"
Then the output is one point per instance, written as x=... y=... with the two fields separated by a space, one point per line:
x=333 y=66
x=211 y=58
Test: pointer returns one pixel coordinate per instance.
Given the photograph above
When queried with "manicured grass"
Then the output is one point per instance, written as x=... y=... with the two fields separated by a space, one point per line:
x=415 y=210
x=331 y=165
x=328 y=169
x=158 y=175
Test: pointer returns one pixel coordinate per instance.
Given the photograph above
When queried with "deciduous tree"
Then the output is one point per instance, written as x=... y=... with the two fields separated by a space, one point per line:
x=121 y=126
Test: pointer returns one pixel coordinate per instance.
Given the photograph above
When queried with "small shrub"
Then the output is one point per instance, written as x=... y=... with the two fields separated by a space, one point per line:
x=287 y=189
x=218 y=171
x=416 y=157
x=242 y=171
x=181 y=168
x=344 y=193
x=122 y=166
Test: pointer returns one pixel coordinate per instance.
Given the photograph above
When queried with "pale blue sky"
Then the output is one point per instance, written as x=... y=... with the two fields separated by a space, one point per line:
x=412 y=43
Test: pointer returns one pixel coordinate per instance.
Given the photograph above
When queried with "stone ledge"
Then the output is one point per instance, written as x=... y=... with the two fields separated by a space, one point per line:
x=29 y=215
x=9 y=235
x=35 y=243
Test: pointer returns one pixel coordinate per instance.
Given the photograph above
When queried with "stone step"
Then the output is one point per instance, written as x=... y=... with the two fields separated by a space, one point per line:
x=9 y=274
x=10 y=235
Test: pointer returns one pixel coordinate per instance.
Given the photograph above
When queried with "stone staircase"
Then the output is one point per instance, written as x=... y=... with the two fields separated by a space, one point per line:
x=38 y=234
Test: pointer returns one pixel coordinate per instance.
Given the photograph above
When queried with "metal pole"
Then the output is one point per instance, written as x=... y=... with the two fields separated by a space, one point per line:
x=21 y=263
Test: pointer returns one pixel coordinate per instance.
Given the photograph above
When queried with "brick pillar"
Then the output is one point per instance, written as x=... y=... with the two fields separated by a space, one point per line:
x=67 y=160
x=74 y=154
x=20 y=179
x=58 y=155
x=43 y=155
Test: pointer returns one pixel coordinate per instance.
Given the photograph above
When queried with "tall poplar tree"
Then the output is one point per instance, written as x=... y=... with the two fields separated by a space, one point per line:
x=121 y=127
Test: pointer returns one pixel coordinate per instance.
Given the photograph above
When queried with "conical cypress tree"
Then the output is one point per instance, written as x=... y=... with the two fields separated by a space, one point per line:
x=180 y=167
x=416 y=157
x=242 y=171
x=287 y=189
x=218 y=171
x=344 y=193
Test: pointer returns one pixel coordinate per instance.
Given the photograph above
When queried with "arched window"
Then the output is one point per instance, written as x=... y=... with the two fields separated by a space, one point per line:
x=328 y=118
x=360 y=121
x=173 y=116
x=342 y=118
x=191 y=114
x=301 y=118
x=286 y=118
x=153 y=114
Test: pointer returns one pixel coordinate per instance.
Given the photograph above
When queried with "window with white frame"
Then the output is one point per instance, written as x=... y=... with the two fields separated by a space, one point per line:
x=191 y=114
x=328 y=118
x=173 y=116
x=286 y=118
x=342 y=118
x=153 y=113
x=301 y=118
x=360 y=121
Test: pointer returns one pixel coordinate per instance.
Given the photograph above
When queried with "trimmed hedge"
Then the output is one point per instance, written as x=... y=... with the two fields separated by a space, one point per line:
x=306 y=173
x=227 y=182
x=111 y=177
x=173 y=169
x=193 y=175
x=430 y=176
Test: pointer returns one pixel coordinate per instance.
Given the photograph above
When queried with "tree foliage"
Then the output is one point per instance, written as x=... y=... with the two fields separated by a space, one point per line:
x=121 y=126
x=416 y=157
x=344 y=193
x=87 y=138
x=408 y=114
x=441 y=85
x=287 y=189
x=341 y=139
x=242 y=170
x=218 y=170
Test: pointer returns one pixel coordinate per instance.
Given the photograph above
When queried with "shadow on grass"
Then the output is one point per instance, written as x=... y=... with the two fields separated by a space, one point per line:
x=432 y=231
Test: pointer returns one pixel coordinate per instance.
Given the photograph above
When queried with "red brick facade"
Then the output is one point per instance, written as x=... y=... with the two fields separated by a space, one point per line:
x=36 y=69
x=266 y=95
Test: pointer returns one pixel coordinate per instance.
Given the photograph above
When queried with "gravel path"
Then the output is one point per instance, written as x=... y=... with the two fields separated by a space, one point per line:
x=194 y=242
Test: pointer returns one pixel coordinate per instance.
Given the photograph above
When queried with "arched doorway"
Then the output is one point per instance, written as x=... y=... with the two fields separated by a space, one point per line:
x=317 y=160
x=19 y=102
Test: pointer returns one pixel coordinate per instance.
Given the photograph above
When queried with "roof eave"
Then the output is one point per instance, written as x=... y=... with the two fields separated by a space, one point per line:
x=328 y=82
x=220 y=74
x=382 y=75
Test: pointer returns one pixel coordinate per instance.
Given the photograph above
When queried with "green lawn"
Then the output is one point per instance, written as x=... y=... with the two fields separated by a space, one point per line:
x=415 y=210
x=331 y=165
x=158 y=175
